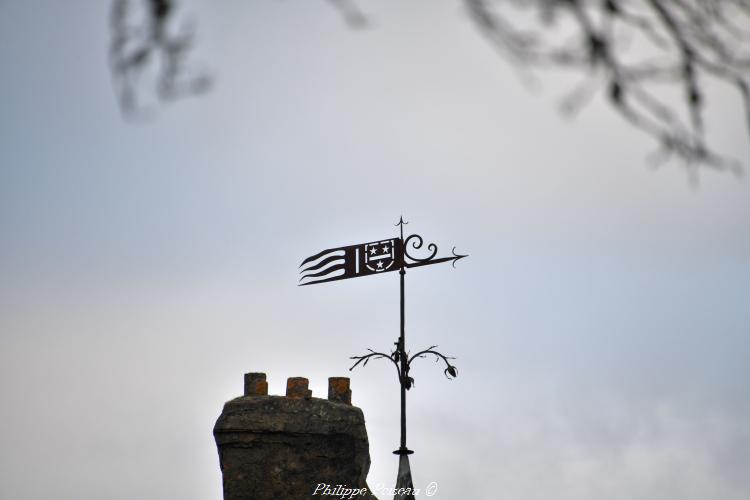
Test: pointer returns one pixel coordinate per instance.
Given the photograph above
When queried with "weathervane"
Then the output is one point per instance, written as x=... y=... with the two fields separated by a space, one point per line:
x=374 y=258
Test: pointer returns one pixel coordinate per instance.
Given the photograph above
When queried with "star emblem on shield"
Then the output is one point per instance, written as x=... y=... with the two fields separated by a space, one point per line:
x=380 y=255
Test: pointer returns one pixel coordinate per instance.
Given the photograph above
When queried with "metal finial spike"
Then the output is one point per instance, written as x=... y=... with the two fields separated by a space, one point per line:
x=400 y=221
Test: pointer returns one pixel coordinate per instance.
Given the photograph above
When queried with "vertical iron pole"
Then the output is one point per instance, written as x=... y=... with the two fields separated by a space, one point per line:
x=404 y=485
x=404 y=367
x=401 y=349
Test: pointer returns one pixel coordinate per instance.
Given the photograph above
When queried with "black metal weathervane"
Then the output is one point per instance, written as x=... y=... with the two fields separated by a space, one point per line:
x=375 y=258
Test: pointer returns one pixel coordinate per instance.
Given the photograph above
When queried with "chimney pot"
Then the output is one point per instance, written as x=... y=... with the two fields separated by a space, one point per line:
x=296 y=388
x=338 y=390
x=255 y=384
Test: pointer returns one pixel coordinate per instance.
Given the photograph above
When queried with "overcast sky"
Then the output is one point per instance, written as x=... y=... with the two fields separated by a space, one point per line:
x=601 y=322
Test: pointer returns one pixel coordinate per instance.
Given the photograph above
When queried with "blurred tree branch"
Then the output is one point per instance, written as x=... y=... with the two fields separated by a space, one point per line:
x=143 y=38
x=653 y=58
x=634 y=49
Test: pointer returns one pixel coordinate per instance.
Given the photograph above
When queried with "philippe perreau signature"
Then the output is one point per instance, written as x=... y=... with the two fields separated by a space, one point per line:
x=345 y=492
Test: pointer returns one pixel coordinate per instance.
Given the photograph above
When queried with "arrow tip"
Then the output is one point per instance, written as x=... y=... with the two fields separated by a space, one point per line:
x=456 y=257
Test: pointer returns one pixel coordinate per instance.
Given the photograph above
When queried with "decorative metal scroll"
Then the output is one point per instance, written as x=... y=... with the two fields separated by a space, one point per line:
x=403 y=375
x=430 y=259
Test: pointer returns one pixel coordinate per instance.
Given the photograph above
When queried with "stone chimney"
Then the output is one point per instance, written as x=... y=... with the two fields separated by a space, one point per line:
x=284 y=447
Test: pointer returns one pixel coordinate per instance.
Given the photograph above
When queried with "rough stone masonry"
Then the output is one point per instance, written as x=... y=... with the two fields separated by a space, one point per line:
x=283 y=447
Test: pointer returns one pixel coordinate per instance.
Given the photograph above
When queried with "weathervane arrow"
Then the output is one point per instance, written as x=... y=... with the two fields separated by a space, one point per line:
x=365 y=259
x=429 y=261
